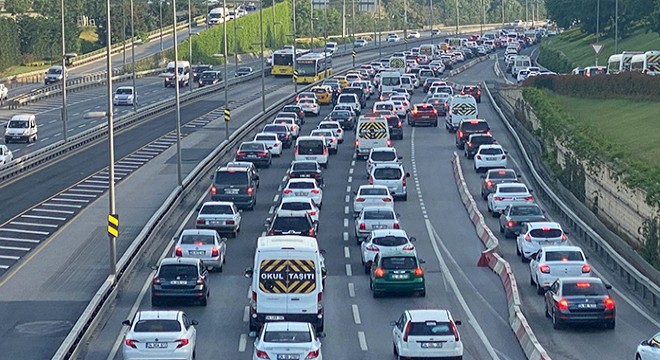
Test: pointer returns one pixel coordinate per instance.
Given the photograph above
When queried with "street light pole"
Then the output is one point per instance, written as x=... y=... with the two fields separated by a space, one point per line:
x=597 y=26
x=263 y=61
x=160 y=9
x=311 y=25
x=380 y=34
x=177 y=95
x=502 y=13
x=343 y=19
x=405 y=23
x=431 y=21
x=225 y=76
x=483 y=20
x=457 y=16
x=274 y=27
x=190 y=47
x=65 y=115
x=133 y=57
x=111 y=142
x=295 y=51
x=616 y=26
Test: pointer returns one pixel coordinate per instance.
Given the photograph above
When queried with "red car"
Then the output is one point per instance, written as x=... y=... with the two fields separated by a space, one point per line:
x=423 y=113
x=473 y=90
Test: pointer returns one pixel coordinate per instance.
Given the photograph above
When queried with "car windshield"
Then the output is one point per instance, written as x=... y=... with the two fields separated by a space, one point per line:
x=387 y=173
x=287 y=336
x=583 y=289
x=490 y=151
x=231 y=178
x=296 y=206
x=512 y=189
x=525 y=210
x=55 y=71
x=197 y=240
x=305 y=166
x=291 y=223
x=546 y=233
x=265 y=138
x=390 y=241
x=563 y=256
x=208 y=75
x=384 y=107
x=481 y=139
x=244 y=70
x=216 y=209
x=378 y=215
x=290 y=108
x=383 y=156
x=157 y=325
x=373 y=192
x=391 y=81
x=399 y=263
x=430 y=328
x=178 y=271
x=301 y=185
x=328 y=126
x=18 y=124
x=124 y=91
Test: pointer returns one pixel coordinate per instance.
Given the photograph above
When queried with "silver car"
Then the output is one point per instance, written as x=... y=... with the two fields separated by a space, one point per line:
x=375 y=218
x=506 y=194
x=304 y=187
x=300 y=203
x=383 y=242
x=221 y=216
x=393 y=176
x=371 y=195
x=204 y=244
x=384 y=155
x=331 y=139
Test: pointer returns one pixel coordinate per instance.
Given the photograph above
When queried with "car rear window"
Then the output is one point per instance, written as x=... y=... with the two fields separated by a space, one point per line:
x=384 y=107
x=477 y=126
x=378 y=215
x=513 y=189
x=216 y=209
x=392 y=120
x=563 y=256
x=502 y=174
x=252 y=147
x=399 y=263
x=546 y=233
x=301 y=185
x=265 y=138
x=583 y=289
x=157 y=325
x=231 y=178
x=482 y=140
x=197 y=240
x=290 y=108
x=291 y=223
x=328 y=126
x=430 y=328
x=340 y=114
x=387 y=174
x=390 y=241
x=383 y=156
x=490 y=151
x=305 y=166
x=525 y=211
x=373 y=192
x=178 y=271
x=310 y=147
x=296 y=206
x=275 y=128
x=287 y=337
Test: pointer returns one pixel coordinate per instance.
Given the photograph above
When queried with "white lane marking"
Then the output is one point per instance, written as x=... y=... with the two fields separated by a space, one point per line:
x=348 y=189
x=79 y=195
x=95 y=191
x=350 y=179
x=347 y=252
x=345 y=235
x=14 y=248
x=350 y=171
x=276 y=198
x=242 y=343
x=263 y=233
x=25 y=231
x=356 y=314
x=30 y=241
x=249 y=293
x=246 y=314
x=279 y=188
x=34 y=224
x=94 y=186
x=351 y=289
x=52 y=121
x=70 y=200
x=270 y=211
x=630 y=302
x=43 y=217
x=4 y=267
x=363 y=341
x=346 y=210
x=352 y=163
x=345 y=222
x=7 y=257
x=44 y=139
x=54 y=211
x=284 y=178
x=349 y=270
x=347 y=198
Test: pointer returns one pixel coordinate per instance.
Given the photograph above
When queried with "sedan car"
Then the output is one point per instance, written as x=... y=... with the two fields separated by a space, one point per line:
x=282 y=132
x=396 y=273
x=490 y=156
x=475 y=141
x=554 y=262
x=180 y=278
x=309 y=106
x=255 y=152
x=649 y=349
x=423 y=114
x=375 y=218
x=494 y=177
x=125 y=95
x=371 y=195
x=272 y=141
x=6 y=156
x=343 y=117
x=384 y=242
x=331 y=139
x=413 y=35
x=393 y=176
x=290 y=122
x=243 y=70
x=335 y=126
x=204 y=244
x=295 y=109
x=473 y=90
x=300 y=203
x=535 y=235
x=221 y=216
x=287 y=340
x=427 y=333
x=304 y=187
x=360 y=43
x=160 y=335
x=306 y=169
x=287 y=222
x=516 y=215
x=580 y=301
x=506 y=194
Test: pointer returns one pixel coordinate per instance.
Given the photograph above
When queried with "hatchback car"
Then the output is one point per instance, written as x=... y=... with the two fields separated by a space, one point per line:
x=371 y=195
x=506 y=194
x=473 y=90
x=384 y=242
x=343 y=117
x=300 y=203
x=160 y=335
x=309 y=106
x=393 y=176
x=427 y=333
x=516 y=215
x=535 y=235
x=494 y=177
x=221 y=216
x=272 y=141
x=287 y=340
x=254 y=152
x=397 y=273
x=375 y=218
x=475 y=141
x=580 y=301
x=295 y=109
x=180 y=278
x=489 y=157
x=287 y=222
x=553 y=262
x=304 y=187
x=469 y=127
x=382 y=155
x=125 y=95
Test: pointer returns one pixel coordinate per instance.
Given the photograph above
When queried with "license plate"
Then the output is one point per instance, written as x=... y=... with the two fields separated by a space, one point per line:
x=156 y=345
x=15 y=137
x=288 y=356
x=586 y=306
x=399 y=276
x=300 y=193
x=196 y=252
x=379 y=226
x=231 y=191
x=178 y=282
x=431 y=345
x=310 y=157
x=274 y=317
x=252 y=156
x=492 y=158
x=215 y=222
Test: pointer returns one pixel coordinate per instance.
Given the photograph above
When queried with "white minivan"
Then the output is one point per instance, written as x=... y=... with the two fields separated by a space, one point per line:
x=520 y=62
x=389 y=81
x=22 y=127
x=312 y=148
x=461 y=107
x=371 y=132
x=183 y=76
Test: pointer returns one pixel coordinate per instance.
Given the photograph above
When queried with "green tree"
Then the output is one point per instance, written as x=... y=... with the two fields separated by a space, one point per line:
x=16 y=7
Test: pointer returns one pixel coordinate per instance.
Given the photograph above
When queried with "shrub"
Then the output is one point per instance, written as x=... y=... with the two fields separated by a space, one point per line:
x=554 y=60
x=627 y=85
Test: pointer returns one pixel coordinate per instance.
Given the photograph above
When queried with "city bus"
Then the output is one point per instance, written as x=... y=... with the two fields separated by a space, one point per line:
x=313 y=67
x=283 y=61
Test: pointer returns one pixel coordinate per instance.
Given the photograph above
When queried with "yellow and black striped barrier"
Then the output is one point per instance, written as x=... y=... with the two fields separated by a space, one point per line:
x=113 y=225
x=227 y=114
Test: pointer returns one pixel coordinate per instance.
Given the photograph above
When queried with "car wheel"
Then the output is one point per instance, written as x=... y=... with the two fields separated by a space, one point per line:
x=610 y=325
x=253 y=327
x=501 y=229
x=638 y=357
x=155 y=302
x=394 y=351
x=204 y=301
x=495 y=214
x=531 y=279
x=422 y=293
x=435 y=123
x=539 y=288
x=547 y=313
x=522 y=258
x=221 y=268
x=556 y=324
x=517 y=250
x=367 y=269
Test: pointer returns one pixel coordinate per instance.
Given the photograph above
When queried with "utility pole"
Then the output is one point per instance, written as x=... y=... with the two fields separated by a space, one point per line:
x=123 y=33
x=311 y=25
x=343 y=18
x=502 y=13
x=526 y=11
x=177 y=97
x=431 y=20
x=133 y=57
x=111 y=144
x=405 y=23
x=616 y=26
x=483 y=20
x=457 y=18
x=597 y=26
x=65 y=115
x=380 y=33
x=190 y=40
x=225 y=76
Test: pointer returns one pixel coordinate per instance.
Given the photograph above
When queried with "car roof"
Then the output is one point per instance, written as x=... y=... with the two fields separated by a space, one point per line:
x=210 y=232
x=267 y=133
x=22 y=117
x=209 y=203
x=251 y=143
x=383 y=149
x=240 y=164
x=304 y=161
x=490 y=146
x=388 y=232
x=283 y=241
x=378 y=208
x=286 y=326
x=421 y=315
x=511 y=184
x=291 y=213
x=309 y=137
x=180 y=260
x=293 y=199
x=160 y=314
x=561 y=248
x=301 y=180
x=543 y=224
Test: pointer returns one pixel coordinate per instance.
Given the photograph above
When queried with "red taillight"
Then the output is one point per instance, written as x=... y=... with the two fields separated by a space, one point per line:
x=415 y=111
x=312 y=213
x=409 y=247
x=503 y=157
x=178 y=251
x=230 y=222
x=287 y=191
x=262 y=154
x=497 y=198
x=316 y=191
x=182 y=343
x=331 y=140
x=489 y=183
x=261 y=354
x=200 y=281
x=372 y=248
x=389 y=143
x=155 y=280
x=528 y=238
x=131 y=343
x=250 y=190
x=510 y=224
x=357 y=142
x=371 y=180
x=240 y=153
x=544 y=269
x=311 y=232
x=563 y=304
x=360 y=199
x=529 y=198
x=564 y=237
x=363 y=226
x=455 y=331
x=609 y=303
x=214 y=190
x=387 y=200
x=215 y=252
x=312 y=355
x=201 y=221
x=478 y=157
x=460 y=134
x=419 y=271
x=586 y=268
x=406 y=330
x=295 y=151
x=396 y=225
x=379 y=272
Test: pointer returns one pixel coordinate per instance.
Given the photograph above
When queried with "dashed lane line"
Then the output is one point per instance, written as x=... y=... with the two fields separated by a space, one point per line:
x=349 y=270
x=356 y=314
x=363 y=341
x=347 y=252
x=351 y=289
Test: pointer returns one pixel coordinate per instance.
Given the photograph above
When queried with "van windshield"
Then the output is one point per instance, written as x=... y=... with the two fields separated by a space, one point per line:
x=310 y=147
x=391 y=81
x=18 y=124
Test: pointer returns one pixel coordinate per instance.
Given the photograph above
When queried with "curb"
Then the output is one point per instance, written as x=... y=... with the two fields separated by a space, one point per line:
x=489 y=257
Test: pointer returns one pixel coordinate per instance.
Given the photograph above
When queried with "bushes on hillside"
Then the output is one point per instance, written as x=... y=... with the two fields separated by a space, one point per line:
x=554 y=60
x=630 y=85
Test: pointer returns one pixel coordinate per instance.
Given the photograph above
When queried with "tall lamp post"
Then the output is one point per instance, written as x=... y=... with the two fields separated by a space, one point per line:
x=160 y=24
x=263 y=61
x=64 y=73
x=597 y=26
x=457 y=18
x=177 y=95
x=111 y=140
x=616 y=26
x=295 y=51
x=380 y=34
x=311 y=25
x=431 y=20
x=133 y=56
x=190 y=40
x=224 y=51
x=405 y=23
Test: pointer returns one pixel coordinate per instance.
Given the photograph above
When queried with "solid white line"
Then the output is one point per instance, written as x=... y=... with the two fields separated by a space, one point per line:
x=242 y=343
x=345 y=222
x=4 y=267
x=345 y=235
x=19 y=240
x=630 y=302
x=363 y=341
x=356 y=314
x=349 y=270
x=351 y=289
x=26 y=231
x=14 y=248
x=246 y=314
x=34 y=224
x=43 y=217
x=347 y=252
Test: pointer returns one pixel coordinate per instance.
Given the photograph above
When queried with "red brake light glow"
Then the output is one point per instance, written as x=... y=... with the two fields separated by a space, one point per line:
x=182 y=343
x=544 y=269
x=609 y=303
x=562 y=304
x=419 y=271
x=583 y=285
x=131 y=343
x=215 y=252
x=178 y=251
x=586 y=268
x=379 y=272
x=261 y=354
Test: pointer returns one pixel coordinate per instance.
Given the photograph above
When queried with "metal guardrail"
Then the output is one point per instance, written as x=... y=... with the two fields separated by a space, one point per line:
x=637 y=281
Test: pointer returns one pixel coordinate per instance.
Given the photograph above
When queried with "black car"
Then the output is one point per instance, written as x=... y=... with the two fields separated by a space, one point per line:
x=469 y=127
x=494 y=177
x=516 y=215
x=255 y=152
x=359 y=92
x=282 y=132
x=209 y=78
x=288 y=222
x=180 y=278
x=237 y=183
x=197 y=71
x=395 y=124
x=343 y=117
x=244 y=70
x=306 y=169
x=476 y=140
x=580 y=300
x=296 y=109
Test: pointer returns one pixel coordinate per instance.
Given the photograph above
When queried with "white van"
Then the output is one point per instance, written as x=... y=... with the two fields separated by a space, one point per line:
x=184 y=73
x=520 y=62
x=408 y=83
x=372 y=132
x=22 y=127
x=287 y=281
x=216 y=16
x=312 y=148
x=389 y=81
x=461 y=107
x=331 y=47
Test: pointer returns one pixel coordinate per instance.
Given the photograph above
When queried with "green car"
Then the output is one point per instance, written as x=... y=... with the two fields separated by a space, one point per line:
x=397 y=273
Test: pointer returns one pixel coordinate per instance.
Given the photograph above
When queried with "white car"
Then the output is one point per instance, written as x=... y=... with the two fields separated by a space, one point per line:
x=4 y=92
x=392 y=38
x=6 y=156
x=203 y=244
x=309 y=106
x=404 y=100
x=413 y=35
x=221 y=216
x=393 y=176
x=304 y=187
x=352 y=100
x=125 y=95
x=371 y=195
x=505 y=194
x=384 y=242
x=291 y=123
x=300 y=203
x=553 y=262
x=400 y=108
x=375 y=218
x=332 y=141
x=287 y=340
x=649 y=349
x=166 y=334
x=272 y=141
x=345 y=107
x=491 y=156
x=427 y=333
x=334 y=126
x=381 y=155
x=535 y=235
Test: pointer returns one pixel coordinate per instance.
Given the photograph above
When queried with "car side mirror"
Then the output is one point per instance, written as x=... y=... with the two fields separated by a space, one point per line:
x=400 y=157
x=268 y=222
x=516 y=233
x=211 y=177
x=566 y=233
x=531 y=191
x=422 y=261
x=154 y=268
x=322 y=252
x=194 y=322
x=518 y=175
x=248 y=272
x=126 y=323
x=413 y=239
x=324 y=272
x=407 y=174
x=483 y=176
x=270 y=148
x=392 y=323
x=608 y=287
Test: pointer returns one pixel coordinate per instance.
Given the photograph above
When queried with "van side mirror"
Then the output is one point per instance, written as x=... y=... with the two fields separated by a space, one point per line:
x=458 y=322
x=126 y=323
x=413 y=239
x=407 y=174
x=249 y=272
x=268 y=222
x=195 y=322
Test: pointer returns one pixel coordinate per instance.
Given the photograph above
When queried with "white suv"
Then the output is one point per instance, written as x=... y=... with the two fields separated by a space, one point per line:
x=427 y=333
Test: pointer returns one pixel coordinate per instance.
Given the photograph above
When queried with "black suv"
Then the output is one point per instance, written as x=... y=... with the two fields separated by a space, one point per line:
x=396 y=127
x=199 y=69
x=476 y=140
x=343 y=117
x=235 y=184
x=288 y=222
x=180 y=278
x=469 y=127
